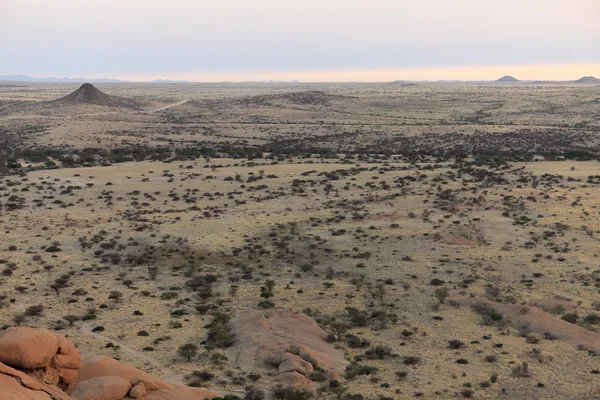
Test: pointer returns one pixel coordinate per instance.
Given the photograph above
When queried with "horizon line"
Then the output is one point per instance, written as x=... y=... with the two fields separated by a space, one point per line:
x=524 y=73
x=106 y=80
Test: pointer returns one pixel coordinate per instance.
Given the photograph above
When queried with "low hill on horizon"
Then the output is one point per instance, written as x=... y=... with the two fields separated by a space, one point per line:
x=25 y=78
x=507 y=78
x=582 y=80
x=588 y=79
x=89 y=94
x=160 y=80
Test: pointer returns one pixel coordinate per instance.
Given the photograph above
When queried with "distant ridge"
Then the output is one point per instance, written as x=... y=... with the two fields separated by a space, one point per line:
x=276 y=81
x=168 y=81
x=588 y=79
x=402 y=83
x=89 y=94
x=504 y=79
x=24 y=78
x=583 y=80
x=507 y=79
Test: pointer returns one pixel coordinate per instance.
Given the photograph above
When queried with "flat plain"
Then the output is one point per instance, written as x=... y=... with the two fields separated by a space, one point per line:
x=445 y=235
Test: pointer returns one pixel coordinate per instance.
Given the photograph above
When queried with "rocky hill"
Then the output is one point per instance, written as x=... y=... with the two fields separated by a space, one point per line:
x=507 y=79
x=88 y=94
x=588 y=79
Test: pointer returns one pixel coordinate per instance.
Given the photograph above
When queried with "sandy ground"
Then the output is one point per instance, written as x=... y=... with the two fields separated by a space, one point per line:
x=370 y=234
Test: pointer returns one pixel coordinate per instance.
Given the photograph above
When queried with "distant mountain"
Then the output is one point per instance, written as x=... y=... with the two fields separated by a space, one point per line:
x=24 y=78
x=402 y=83
x=507 y=79
x=275 y=81
x=89 y=94
x=584 y=80
x=587 y=79
x=168 y=81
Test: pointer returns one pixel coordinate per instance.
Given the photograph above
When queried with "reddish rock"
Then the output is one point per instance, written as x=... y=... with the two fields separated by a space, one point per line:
x=297 y=381
x=542 y=323
x=291 y=362
x=260 y=335
x=149 y=385
x=158 y=389
x=42 y=354
x=292 y=342
x=13 y=390
x=42 y=363
x=138 y=391
x=96 y=366
x=181 y=393
x=554 y=305
x=102 y=388
x=68 y=356
x=67 y=377
x=16 y=385
x=27 y=348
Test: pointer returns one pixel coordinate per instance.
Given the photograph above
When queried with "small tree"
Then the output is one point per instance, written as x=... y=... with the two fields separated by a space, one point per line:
x=339 y=328
x=266 y=295
x=115 y=295
x=33 y=311
x=152 y=272
x=71 y=319
x=379 y=291
x=188 y=351
x=337 y=388
x=19 y=319
x=270 y=285
x=56 y=287
x=441 y=294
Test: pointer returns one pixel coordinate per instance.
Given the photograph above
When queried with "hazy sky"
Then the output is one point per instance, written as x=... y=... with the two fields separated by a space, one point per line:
x=309 y=40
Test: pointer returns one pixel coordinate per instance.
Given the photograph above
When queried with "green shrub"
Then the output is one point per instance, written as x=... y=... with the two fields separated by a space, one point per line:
x=592 y=319
x=219 y=331
x=570 y=318
x=168 y=295
x=356 y=369
x=489 y=314
x=33 y=311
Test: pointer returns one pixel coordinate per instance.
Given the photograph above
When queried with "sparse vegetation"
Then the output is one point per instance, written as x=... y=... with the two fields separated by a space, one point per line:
x=413 y=224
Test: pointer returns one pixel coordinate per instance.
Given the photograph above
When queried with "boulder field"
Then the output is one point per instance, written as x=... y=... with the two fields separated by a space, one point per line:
x=38 y=364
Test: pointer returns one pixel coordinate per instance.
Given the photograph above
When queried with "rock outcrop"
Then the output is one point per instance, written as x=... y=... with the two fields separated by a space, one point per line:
x=49 y=357
x=17 y=385
x=541 y=322
x=37 y=364
x=291 y=342
x=101 y=367
x=111 y=387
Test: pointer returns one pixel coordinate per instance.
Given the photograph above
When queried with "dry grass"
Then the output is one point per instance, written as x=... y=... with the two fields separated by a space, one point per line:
x=358 y=234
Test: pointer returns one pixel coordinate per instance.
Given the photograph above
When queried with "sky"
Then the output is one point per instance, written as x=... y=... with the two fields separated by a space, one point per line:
x=308 y=40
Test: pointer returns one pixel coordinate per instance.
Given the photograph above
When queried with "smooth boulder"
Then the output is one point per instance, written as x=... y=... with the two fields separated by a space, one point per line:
x=27 y=348
x=157 y=389
x=102 y=388
x=45 y=355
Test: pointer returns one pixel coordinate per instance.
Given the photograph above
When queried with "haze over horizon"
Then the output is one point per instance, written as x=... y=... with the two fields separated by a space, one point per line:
x=336 y=41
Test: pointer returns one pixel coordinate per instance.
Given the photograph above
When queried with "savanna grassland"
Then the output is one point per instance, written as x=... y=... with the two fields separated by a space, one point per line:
x=445 y=236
